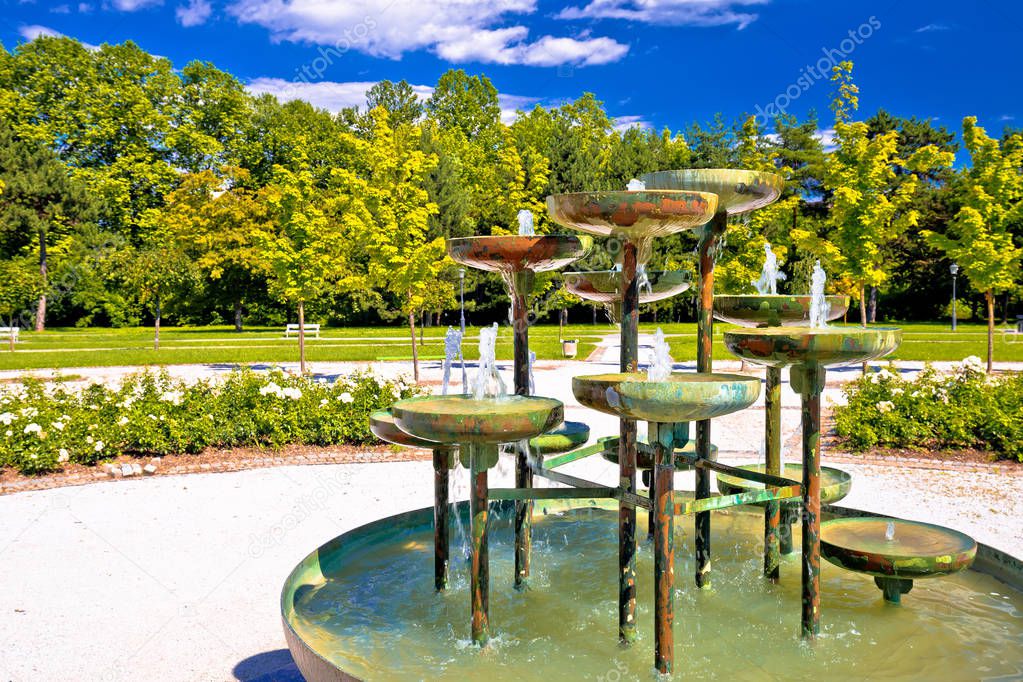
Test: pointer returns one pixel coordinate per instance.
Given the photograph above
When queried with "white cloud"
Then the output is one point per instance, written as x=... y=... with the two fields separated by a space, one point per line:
x=668 y=12
x=827 y=138
x=334 y=96
x=195 y=13
x=1006 y=117
x=33 y=31
x=132 y=5
x=929 y=28
x=623 y=123
x=455 y=30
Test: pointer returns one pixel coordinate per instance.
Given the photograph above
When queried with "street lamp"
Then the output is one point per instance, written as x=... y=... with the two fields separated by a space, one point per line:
x=954 y=269
x=461 y=358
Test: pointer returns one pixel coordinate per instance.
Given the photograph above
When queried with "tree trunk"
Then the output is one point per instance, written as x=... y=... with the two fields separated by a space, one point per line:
x=301 y=337
x=156 y=325
x=561 y=324
x=872 y=308
x=990 y=297
x=415 y=351
x=421 y=328
x=238 y=316
x=1006 y=309
x=863 y=317
x=11 y=336
x=43 y=271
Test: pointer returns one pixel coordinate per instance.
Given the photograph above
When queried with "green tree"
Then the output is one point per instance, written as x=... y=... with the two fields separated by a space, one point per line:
x=399 y=99
x=404 y=260
x=979 y=237
x=19 y=284
x=40 y=207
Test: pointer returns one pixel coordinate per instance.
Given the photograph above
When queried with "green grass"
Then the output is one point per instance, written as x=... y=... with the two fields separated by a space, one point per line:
x=60 y=348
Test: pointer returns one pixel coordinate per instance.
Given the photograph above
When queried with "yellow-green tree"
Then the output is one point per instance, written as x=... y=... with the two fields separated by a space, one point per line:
x=403 y=259
x=978 y=238
x=868 y=209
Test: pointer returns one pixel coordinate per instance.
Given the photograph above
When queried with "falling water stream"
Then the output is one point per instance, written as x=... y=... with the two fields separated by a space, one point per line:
x=770 y=275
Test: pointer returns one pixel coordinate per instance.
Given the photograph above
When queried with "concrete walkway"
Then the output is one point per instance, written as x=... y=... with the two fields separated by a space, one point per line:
x=178 y=577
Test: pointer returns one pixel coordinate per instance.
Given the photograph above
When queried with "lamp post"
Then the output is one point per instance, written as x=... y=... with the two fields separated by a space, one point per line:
x=954 y=269
x=461 y=295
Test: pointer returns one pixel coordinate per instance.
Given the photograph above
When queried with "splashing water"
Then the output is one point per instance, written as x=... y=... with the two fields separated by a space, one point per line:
x=526 y=223
x=769 y=276
x=818 y=303
x=488 y=382
x=889 y=532
x=660 y=360
x=452 y=349
x=636 y=185
x=642 y=280
x=532 y=383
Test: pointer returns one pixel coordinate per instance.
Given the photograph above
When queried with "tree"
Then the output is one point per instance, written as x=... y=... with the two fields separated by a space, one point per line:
x=979 y=237
x=399 y=99
x=19 y=284
x=868 y=209
x=40 y=206
x=404 y=260
x=304 y=251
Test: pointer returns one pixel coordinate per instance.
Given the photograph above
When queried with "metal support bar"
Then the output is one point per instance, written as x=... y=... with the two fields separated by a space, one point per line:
x=441 y=458
x=551 y=493
x=600 y=446
x=745 y=474
x=480 y=567
x=725 y=501
x=520 y=284
x=664 y=545
x=808 y=380
x=772 y=466
x=627 y=452
x=581 y=483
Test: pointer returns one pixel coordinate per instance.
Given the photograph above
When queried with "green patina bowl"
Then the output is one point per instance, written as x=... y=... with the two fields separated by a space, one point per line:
x=769 y=310
x=826 y=346
x=680 y=398
x=645 y=460
x=835 y=483
x=514 y=253
x=453 y=419
x=605 y=286
x=383 y=426
x=632 y=216
x=564 y=438
x=917 y=550
x=738 y=191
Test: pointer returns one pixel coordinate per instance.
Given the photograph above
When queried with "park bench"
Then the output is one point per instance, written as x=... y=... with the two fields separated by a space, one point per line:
x=10 y=333
x=290 y=329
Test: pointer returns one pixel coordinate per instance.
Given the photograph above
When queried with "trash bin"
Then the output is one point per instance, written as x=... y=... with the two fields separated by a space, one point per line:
x=570 y=347
x=1019 y=324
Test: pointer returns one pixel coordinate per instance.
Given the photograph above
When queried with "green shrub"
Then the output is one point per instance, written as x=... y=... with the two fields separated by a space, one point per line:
x=43 y=426
x=962 y=409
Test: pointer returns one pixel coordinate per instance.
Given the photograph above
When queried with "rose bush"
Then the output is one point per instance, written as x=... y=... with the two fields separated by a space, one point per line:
x=965 y=408
x=42 y=426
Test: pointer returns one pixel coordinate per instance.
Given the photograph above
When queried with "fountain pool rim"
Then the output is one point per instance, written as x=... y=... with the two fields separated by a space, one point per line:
x=824 y=346
x=731 y=308
x=503 y=419
x=316 y=668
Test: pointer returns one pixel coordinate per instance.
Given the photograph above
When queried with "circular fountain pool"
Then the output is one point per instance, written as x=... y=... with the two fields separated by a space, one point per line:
x=365 y=604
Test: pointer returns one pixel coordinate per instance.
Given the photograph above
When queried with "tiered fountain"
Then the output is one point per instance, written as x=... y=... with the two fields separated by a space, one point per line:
x=360 y=604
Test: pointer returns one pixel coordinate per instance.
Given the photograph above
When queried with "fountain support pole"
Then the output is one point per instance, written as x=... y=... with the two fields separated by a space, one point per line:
x=772 y=466
x=441 y=459
x=627 y=452
x=519 y=286
x=704 y=363
x=479 y=511
x=808 y=380
x=661 y=438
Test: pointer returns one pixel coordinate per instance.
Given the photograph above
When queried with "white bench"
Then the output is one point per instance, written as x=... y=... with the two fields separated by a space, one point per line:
x=9 y=332
x=309 y=328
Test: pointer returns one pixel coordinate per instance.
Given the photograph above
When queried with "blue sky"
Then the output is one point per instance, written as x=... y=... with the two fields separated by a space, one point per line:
x=653 y=62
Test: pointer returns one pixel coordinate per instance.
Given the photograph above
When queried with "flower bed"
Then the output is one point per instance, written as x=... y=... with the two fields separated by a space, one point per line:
x=965 y=408
x=43 y=426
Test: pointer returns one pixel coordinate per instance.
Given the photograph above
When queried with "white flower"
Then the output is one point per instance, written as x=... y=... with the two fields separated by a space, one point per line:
x=123 y=421
x=896 y=391
x=172 y=397
x=346 y=397
x=152 y=416
x=29 y=412
x=90 y=440
x=99 y=446
x=292 y=393
x=885 y=406
x=323 y=403
x=59 y=425
x=271 y=389
x=63 y=455
x=33 y=428
x=6 y=418
x=9 y=433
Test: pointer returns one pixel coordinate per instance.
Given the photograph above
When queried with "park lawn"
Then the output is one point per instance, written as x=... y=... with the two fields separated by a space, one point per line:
x=63 y=348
